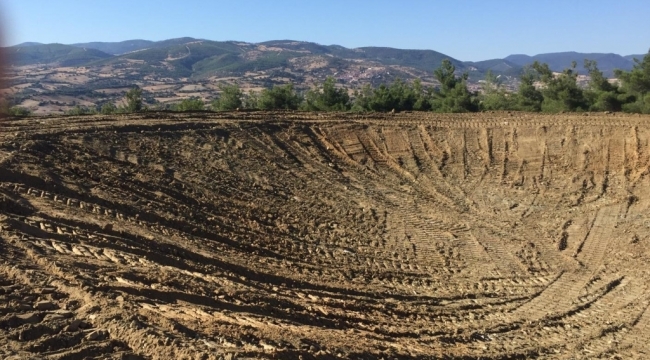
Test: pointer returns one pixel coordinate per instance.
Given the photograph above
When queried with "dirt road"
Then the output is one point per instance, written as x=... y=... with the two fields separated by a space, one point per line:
x=292 y=235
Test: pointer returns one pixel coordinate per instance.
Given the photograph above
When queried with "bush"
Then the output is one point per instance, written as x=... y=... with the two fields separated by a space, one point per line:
x=134 y=100
x=279 y=98
x=108 y=108
x=191 y=104
x=528 y=97
x=494 y=96
x=7 y=110
x=399 y=96
x=81 y=110
x=561 y=92
x=327 y=98
x=641 y=106
x=636 y=86
x=251 y=100
x=229 y=99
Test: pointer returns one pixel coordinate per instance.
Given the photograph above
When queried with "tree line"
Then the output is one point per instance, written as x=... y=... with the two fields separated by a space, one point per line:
x=540 y=90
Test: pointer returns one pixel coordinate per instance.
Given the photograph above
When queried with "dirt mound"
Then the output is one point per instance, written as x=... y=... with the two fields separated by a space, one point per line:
x=291 y=235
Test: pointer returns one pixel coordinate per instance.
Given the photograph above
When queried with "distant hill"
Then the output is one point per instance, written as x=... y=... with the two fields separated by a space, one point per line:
x=117 y=48
x=497 y=66
x=607 y=63
x=190 y=57
x=197 y=58
x=632 y=57
x=175 y=69
x=128 y=46
x=158 y=51
x=420 y=59
x=520 y=59
x=426 y=60
x=29 y=43
x=63 y=55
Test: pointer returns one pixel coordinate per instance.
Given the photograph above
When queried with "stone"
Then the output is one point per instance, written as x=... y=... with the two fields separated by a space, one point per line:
x=66 y=314
x=45 y=305
x=97 y=335
x=31 y=318
x=73 y=326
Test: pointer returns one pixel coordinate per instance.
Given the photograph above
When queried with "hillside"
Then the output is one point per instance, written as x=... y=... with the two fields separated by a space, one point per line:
x=235 y=56
x=239 y=57
x=28 y=43
x=497 y=66
x=174 y=69
x=59 y=54
x=632 y=57
x=55 y=78
x=607 y=63
x=117 y=48
x=280 y=235
x=426 y=59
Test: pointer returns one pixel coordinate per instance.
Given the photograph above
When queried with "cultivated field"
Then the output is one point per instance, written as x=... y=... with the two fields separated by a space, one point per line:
x=294 y=235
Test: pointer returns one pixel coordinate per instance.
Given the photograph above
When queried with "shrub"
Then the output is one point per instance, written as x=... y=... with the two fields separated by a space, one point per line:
x=327 y=98
x=279 y=98
x=191 y=104
x=108 y=108
x=230 y=98
x=134 y=100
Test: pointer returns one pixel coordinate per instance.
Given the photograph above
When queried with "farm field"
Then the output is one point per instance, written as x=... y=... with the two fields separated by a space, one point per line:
x=289 y=235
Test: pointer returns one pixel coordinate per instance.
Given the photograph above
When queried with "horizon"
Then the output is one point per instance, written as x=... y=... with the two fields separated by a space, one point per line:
x=505 y=28
x=27 y=43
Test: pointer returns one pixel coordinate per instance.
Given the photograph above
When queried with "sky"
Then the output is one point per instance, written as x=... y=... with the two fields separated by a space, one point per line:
x=468 y=30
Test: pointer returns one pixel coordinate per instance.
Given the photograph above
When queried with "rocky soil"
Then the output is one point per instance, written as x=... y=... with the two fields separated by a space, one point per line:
x=302 y=236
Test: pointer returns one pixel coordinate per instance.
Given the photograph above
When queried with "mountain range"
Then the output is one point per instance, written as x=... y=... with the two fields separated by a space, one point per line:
x=57 y=78
x=198 y=58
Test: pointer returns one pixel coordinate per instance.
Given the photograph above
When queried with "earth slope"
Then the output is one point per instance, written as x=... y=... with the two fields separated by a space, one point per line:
x=288 y=235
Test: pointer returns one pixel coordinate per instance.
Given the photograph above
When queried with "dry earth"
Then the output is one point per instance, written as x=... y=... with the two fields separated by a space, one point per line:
x=291 y=235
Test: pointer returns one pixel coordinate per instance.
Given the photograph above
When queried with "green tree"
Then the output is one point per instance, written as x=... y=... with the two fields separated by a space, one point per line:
x=327 y=97
x=494 y=96
x=379 y=99
x=190 y=104
x=402 y=95
x=279 y=98
x=19 y=111
x=636 y=85
x=6 y=109
x=382 y=99
x=601 y=95
x=134 y=100
x=561 y=92
x=528 y=97
x=251 y=100
x=230 y=98
x=453 y=95
x=445 y=74
x=362 y=98
x=422 y=96
x=81 y=110
x=108 y=108
x=398 y=96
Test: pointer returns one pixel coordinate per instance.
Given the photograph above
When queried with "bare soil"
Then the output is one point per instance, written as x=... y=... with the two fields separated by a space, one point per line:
x=293 y=235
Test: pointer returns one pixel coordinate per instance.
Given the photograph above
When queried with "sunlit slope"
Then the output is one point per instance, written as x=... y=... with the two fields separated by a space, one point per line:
x=287 y=234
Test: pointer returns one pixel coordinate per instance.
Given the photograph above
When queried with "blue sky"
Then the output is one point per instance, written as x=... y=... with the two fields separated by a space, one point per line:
x=467 y=30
